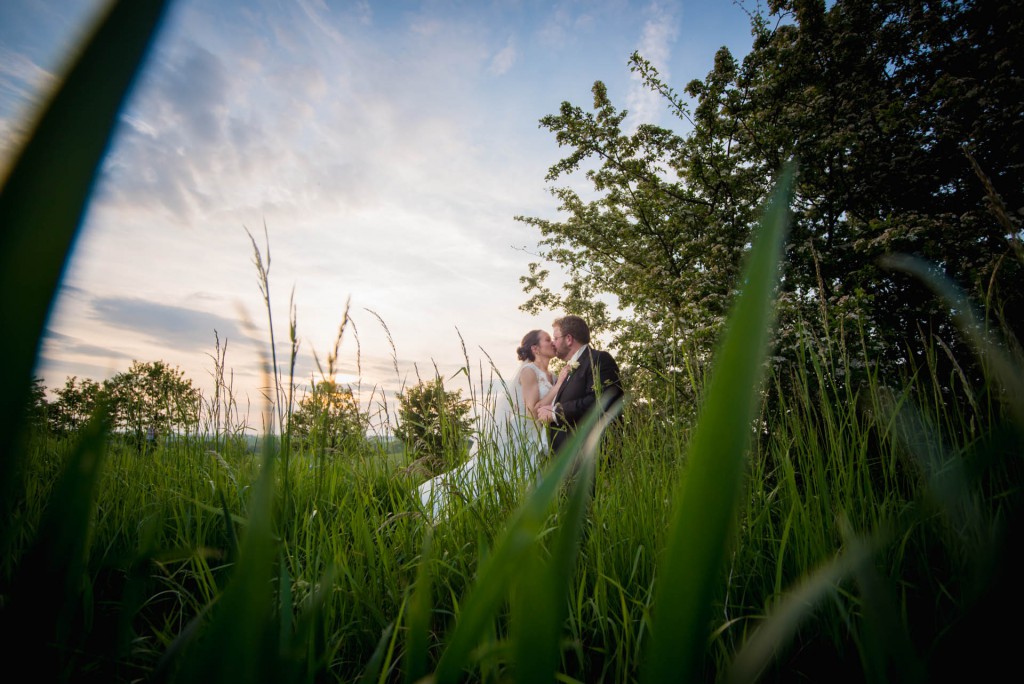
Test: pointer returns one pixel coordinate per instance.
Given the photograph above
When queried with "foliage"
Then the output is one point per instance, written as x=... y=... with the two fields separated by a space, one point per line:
x=328 y=418
x=76 y=402
x=152 y=395
x=907 y=122
x=433 y=422
x=37 y=411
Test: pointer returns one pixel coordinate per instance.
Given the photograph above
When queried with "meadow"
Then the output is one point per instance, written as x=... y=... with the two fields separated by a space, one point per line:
x=804 y=522
x=840 y=532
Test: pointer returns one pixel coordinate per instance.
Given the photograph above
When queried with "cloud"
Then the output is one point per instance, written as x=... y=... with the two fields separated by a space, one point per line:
x=166 y=326
x=505 y=58
x=62 y=356
x=54 y=341
x=565 y=22
x=659 y=32
x=175 y=139
x=21 y=78
x=55 y=371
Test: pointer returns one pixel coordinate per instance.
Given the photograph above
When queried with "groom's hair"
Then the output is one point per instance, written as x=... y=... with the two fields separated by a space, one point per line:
x=575 y=326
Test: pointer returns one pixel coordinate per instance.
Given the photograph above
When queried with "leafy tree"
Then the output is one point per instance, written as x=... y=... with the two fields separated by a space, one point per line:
x=152 y=395
x=893 y=109
x=433 y=422
x=328 y=418
x=667 y=249
x=37 y=412
x=76 y=402
x=907 y=120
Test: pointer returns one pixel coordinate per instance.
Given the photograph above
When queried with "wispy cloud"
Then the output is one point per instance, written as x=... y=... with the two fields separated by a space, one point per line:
x=166 y=326
x=504 y=59
x=61 y=367
x=56 y=342
x=655 y=45
x=21 y=78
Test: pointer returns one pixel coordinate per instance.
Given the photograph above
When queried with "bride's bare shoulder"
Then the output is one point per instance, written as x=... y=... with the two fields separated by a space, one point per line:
x=528 y=378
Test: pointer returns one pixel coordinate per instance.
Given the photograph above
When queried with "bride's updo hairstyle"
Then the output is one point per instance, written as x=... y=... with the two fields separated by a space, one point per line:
x=525 y=351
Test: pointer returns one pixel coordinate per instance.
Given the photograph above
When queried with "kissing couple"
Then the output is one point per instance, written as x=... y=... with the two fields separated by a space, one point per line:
x=537 y=413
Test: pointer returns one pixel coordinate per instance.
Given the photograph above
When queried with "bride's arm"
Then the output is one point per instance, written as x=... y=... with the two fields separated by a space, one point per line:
x=549 y=398
x=531 y=393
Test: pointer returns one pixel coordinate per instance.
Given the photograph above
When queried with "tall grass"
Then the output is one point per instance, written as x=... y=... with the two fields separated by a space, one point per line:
x=853 y=532
x=835 y=487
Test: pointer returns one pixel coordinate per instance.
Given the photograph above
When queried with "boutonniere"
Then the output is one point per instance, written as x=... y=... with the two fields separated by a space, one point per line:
x=573 y=365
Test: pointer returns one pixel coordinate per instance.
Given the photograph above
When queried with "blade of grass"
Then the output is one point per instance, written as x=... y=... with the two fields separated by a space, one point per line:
x=512 y=550
x=1002 y=367
x=375 y=665
x=305 y=638
x=796 y=604
x=229 y=528
x=888 y=649
x=45 y=595
x=285 y=607
x=44 y=196
x=236 y=645
x=419 y=616
x=707 y=496
x=541 y=604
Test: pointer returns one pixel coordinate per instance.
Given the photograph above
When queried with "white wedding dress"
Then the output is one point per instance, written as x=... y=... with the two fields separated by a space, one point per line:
x=506 y=451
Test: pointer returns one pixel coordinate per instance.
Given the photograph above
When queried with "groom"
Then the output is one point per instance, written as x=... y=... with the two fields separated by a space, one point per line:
x=593 y=377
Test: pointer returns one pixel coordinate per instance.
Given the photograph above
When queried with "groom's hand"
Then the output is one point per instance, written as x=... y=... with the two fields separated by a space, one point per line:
x=545 y=415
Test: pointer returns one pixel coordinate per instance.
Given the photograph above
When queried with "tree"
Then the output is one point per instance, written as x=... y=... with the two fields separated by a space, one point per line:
x=76 y=402
x=328 y=418
x=152 y=395
x=667 y=249
x=907 y=121
x=37 y=412
x=433 y=422
x=892 y=109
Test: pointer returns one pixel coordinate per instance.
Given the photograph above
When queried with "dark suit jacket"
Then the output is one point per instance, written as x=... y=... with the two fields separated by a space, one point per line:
x=597 y=376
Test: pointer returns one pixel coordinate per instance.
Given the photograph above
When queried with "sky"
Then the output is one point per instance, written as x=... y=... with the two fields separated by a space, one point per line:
x=378 y=151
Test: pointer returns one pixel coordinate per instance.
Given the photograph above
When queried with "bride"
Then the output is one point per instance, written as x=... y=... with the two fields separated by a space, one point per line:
x=519 y=439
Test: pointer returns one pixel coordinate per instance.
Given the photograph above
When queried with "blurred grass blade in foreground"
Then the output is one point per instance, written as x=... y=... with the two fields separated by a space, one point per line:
x=45 y=192
x=706 y=498
x=38 y=623
x=418 y=639
x=516 y=548
x=996 y=359
x=781 y=625
x=540 y=604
